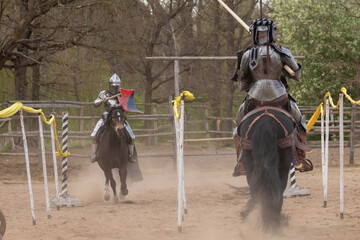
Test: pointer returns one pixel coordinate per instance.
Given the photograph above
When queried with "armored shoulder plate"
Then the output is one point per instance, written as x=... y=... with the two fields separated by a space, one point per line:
x=283 y=50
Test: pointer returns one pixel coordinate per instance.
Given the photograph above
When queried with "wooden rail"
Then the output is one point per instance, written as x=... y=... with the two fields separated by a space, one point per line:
x=200 y=128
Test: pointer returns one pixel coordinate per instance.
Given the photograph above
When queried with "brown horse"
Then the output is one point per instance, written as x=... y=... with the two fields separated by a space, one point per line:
x=113 y=151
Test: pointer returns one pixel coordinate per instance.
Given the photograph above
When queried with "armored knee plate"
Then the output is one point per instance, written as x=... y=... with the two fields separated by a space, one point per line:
x=239 y=117
x=240 y=114
x=129 y=130
x=97 y=127
x=299 y=118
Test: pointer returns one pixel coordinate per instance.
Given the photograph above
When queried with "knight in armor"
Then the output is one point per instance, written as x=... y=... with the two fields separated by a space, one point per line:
x=261 y=74
x=110 y=100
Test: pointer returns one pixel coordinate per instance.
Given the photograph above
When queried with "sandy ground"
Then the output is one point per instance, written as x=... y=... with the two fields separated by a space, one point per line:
x=214 y=200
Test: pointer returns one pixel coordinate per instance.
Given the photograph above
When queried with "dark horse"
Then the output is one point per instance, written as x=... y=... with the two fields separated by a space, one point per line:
x=267 y=137
x=113 y=151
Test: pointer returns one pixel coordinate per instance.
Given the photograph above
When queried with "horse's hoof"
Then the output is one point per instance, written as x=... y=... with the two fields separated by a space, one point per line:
x=124 y=192
x=107 y=197
x=116 y=199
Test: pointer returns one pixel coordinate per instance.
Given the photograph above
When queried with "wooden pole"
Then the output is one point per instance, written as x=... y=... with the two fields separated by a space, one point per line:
x=323 y=160
x=43 y=160
x=53 y=150
x=235 y=16
x=352 y=133
x=326 y=150
x=27 y=166
x=173 y=130
x=179 y=189
x=182 y=129
x=341 y=129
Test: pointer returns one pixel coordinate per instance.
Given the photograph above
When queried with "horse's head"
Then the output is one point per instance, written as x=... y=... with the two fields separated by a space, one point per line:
x=117 y=120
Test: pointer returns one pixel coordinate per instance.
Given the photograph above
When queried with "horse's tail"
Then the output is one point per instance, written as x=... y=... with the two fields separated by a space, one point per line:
x=266 y=163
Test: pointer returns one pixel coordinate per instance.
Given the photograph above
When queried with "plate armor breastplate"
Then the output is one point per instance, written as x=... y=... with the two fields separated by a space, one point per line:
x=261 y=70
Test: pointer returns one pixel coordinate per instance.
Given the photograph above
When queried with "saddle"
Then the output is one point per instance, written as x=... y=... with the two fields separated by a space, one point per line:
x=290 y=140
x=280 y=102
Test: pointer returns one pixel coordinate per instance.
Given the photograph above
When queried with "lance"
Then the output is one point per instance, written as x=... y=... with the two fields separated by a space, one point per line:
x=286 y=67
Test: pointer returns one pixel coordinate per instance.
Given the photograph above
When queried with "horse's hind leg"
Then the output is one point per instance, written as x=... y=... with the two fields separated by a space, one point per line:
x=123 y=175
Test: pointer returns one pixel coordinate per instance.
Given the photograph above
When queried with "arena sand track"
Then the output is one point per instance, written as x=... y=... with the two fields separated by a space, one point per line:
x=214 y=200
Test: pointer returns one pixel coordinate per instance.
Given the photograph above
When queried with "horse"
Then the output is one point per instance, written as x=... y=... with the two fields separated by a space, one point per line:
x=113 y=151
x=267 y=136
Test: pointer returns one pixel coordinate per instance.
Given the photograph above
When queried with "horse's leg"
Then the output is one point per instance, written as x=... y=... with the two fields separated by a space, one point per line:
x=123 y=175
x=106 y=188
x=248 y=208
x=113 y=185
x=285 y=161
x=249 y=168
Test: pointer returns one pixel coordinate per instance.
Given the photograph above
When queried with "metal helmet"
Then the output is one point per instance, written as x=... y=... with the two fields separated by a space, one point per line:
x=114 y=84
x=263 y=31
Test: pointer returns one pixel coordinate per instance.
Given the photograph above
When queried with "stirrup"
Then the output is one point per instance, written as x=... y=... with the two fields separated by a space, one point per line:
x=305 y=166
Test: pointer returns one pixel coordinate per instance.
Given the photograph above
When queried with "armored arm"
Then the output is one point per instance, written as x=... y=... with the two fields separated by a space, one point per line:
x=100 y=99
x=244 y=77
x=288 y=59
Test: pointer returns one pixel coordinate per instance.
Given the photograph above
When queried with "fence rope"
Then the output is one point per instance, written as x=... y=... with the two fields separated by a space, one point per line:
x=13 y=109
x=320 y=109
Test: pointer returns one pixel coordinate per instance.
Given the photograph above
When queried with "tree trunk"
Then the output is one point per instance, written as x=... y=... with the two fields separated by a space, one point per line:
x=148 y=97
x=20 y=76
x=358 y=82
x=35 y=83
x=215 y=100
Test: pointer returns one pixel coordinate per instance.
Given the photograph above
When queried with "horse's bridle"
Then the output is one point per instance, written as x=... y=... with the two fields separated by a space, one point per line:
x=119 y=110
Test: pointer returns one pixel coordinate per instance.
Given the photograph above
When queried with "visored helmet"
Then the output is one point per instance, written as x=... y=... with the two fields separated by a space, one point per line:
x=263 y=31
x=114 y=84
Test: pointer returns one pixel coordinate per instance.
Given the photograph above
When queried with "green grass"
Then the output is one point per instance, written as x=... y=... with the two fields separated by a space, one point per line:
x=5 y=148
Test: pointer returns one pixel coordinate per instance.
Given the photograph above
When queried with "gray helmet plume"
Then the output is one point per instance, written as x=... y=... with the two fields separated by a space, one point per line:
x=114 y=84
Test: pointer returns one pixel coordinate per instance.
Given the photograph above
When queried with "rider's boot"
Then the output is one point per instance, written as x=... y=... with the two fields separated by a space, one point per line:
x=306 y=164
x=239 y=168
x=94 y=156
x=131 y=153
